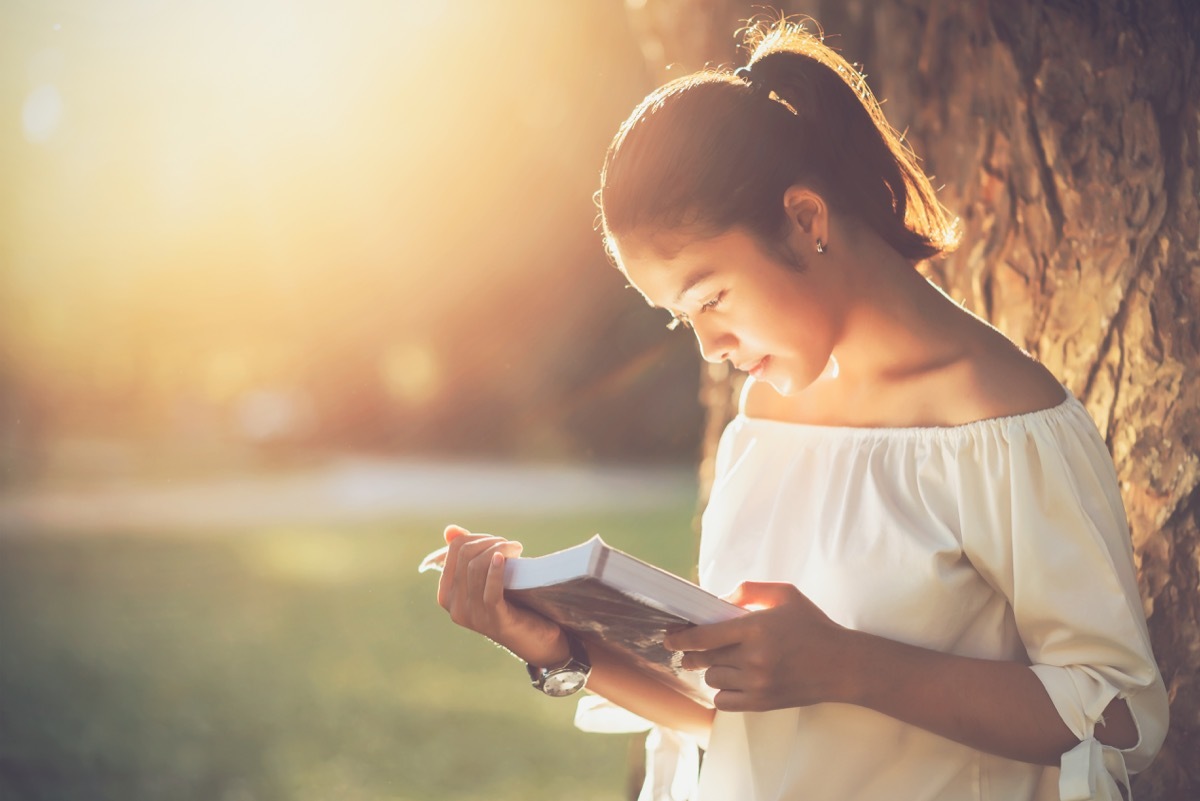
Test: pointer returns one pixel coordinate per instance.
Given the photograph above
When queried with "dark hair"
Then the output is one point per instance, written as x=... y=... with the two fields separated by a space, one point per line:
x=713 y=150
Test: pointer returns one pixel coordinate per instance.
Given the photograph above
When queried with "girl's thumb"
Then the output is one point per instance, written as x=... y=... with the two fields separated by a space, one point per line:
x=761 y=594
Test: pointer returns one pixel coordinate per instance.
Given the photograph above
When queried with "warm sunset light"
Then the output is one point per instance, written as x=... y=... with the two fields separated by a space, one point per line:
x=357 y=211
x=339 y=461
x=285 y=287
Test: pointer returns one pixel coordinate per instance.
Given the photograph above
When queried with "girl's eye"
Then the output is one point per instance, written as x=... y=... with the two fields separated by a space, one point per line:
x=713 y=303
x=681 y=319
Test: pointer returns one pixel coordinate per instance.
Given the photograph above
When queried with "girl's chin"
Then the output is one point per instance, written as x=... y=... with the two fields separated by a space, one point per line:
x=786 y=383
x=782 y=384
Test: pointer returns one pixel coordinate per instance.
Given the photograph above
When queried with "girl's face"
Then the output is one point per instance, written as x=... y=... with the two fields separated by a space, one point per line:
x=745 y=305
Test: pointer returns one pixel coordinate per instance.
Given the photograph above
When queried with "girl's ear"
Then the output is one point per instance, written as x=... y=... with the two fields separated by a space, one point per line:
x=807 y=211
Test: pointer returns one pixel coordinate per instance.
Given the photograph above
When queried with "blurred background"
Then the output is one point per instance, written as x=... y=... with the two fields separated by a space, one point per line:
x=286 y=286
x=305 y=225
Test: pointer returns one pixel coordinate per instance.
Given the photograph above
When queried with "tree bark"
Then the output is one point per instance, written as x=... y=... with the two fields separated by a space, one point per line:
x=1066 y=134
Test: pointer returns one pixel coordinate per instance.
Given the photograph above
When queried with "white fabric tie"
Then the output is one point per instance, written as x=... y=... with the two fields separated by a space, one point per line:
x=1090 y=772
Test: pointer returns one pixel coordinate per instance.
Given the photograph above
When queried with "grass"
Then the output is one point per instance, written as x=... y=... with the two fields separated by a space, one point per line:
x=297 y=664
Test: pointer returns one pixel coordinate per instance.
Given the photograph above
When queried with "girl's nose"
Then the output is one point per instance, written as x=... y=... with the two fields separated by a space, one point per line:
x=715 y=344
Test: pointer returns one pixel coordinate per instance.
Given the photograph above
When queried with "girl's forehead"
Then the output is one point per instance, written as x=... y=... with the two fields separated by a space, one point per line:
x=677 y=247
x=665 y=278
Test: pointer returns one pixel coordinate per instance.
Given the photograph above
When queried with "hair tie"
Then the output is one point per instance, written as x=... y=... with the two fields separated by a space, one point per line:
x=759 y=88
x=755 y=85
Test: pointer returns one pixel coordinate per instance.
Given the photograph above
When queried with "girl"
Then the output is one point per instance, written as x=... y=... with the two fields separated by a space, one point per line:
x=926 y=525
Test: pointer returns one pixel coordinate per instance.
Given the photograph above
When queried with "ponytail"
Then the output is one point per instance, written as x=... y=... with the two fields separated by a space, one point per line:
x=717 y=149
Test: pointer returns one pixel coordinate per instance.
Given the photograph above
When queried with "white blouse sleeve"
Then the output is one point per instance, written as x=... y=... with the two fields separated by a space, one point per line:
x=1043 y=522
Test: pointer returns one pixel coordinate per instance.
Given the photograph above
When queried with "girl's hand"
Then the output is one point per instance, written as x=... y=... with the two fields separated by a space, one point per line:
x=785 y=653
x=471 y=589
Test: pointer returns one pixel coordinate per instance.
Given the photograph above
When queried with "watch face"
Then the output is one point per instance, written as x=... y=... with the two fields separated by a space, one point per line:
x=564 y=682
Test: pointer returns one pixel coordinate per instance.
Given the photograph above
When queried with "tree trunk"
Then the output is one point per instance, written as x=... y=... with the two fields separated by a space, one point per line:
x=1067 y=136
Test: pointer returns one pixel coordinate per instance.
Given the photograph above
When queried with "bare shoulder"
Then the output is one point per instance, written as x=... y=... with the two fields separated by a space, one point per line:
x=1001 y=381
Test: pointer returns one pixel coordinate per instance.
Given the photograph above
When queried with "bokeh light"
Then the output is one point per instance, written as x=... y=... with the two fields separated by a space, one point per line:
x=41 y=113
x=353 y=224
x=286 y=286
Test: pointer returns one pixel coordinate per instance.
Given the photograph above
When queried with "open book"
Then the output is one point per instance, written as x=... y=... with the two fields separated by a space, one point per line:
x=619 y=603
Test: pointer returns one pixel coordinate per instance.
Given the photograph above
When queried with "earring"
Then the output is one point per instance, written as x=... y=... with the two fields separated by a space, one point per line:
x=820 y=247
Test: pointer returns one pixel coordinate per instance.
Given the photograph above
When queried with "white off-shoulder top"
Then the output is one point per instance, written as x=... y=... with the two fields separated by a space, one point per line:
x=999 y=539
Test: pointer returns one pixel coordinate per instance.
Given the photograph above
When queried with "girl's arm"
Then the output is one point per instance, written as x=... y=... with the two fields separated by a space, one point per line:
x=998 y=707
x=646 y=697
x=472 y=591
x=790 y=654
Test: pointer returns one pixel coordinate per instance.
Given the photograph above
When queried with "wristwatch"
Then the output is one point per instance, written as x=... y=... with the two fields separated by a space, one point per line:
x=567 y=679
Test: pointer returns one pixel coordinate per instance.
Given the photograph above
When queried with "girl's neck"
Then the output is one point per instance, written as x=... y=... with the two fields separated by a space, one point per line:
x=897 y=324
x=903 y=342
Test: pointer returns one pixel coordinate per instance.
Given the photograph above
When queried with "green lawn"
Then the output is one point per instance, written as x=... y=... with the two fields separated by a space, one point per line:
x=307 y=664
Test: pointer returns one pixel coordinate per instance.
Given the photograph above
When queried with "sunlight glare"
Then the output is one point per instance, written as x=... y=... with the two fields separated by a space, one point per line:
x=41 y=114
x=411 y=373
x=227 y=374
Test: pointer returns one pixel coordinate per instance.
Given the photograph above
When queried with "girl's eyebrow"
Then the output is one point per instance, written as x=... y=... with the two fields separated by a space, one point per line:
x=691 y=281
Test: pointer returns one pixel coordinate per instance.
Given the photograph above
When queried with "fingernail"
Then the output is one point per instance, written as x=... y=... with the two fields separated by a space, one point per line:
x=497 y=559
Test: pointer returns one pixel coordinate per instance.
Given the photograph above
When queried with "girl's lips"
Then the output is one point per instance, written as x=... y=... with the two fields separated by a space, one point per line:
x=756 y=369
